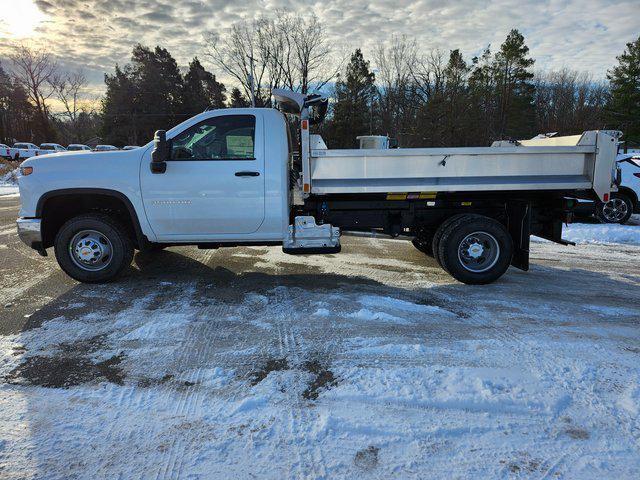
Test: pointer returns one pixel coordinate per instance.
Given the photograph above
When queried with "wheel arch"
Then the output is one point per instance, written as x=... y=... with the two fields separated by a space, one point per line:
x=57 y=206
x=629 y=192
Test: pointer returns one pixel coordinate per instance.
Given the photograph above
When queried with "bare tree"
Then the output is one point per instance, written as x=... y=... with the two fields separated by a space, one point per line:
x=568 y=101
x=289 y=51
x=33 y=69
x=396 y=93
x=68 y=89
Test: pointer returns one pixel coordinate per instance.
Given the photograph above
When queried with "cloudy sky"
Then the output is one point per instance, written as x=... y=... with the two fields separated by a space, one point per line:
x=96 y=34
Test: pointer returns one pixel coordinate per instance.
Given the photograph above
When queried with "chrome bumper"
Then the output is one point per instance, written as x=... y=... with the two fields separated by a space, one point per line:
x=29 y=233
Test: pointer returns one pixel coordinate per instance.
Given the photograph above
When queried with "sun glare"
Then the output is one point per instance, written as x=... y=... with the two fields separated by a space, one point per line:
x=19 y=18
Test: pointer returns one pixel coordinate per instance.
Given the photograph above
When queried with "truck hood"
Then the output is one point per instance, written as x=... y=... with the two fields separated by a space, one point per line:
x=78 y=158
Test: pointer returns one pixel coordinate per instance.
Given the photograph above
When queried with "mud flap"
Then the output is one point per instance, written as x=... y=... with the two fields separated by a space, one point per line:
x=520 y=230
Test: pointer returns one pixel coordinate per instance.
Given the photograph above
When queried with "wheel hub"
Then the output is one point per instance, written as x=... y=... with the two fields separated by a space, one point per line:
x=475 y=250
x=90 y=250
x=478 y=252
x=614 y=210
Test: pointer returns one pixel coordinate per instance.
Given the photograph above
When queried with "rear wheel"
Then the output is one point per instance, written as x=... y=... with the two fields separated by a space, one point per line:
x=617 y=210
x=475 y=249
x=93 y=248
x=435 y=243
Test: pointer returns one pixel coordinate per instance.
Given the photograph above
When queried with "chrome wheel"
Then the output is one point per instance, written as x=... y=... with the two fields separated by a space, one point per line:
x=90 y=250
x=478 y=252
x=615 y=210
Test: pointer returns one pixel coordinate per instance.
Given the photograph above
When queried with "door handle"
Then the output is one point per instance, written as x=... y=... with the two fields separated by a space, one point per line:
x=247 y=174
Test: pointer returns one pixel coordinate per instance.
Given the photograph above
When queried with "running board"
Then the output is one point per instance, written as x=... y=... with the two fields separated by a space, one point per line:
x=305 y=237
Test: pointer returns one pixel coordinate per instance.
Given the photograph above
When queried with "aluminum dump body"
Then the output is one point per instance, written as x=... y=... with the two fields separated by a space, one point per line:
x=581 y=162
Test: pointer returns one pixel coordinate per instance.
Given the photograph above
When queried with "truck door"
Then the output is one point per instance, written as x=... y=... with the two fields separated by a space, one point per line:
x=214 y=184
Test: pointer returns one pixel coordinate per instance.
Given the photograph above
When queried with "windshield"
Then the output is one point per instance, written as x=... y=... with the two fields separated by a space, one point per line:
x=47 y=147
x=21 y=145
x=74 y=147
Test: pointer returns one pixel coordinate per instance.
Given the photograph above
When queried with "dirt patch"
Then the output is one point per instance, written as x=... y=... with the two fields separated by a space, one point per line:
x=577 y=433
x=152 y=382
x=63 y=371
x=324 y=379
x=272 y=365
x=367 y=459
x=524 y=465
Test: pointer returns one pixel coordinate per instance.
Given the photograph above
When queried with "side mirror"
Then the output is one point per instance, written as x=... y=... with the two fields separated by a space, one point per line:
x=161 y=152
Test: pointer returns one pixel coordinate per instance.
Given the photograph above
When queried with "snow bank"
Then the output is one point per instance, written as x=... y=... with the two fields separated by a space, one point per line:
x=9 y=183
x=602 y=233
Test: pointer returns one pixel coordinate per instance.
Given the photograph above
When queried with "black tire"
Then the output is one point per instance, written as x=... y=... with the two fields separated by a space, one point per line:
x=617 y=210
x=483 y=231
x=423 y=244
x=108 y=232
x=435 y=243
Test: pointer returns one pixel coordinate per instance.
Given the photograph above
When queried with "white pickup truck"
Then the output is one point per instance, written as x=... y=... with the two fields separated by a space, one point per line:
x=237 y=177
x=23 y=150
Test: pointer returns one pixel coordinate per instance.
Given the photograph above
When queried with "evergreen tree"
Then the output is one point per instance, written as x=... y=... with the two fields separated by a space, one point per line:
x=624 y=103
x=142 y=97
x=120 y=110
x=456 y=94
x=483 y=106
x=237 y=99
x=514 y=88
x=201 y=90
x=353 y=107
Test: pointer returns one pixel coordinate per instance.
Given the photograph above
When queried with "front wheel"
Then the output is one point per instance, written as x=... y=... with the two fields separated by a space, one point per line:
x=475 y=249
x=93 y=248
x=617 y=210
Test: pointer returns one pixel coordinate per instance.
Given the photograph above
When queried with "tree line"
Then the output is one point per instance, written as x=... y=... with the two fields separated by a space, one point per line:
x=421 y=99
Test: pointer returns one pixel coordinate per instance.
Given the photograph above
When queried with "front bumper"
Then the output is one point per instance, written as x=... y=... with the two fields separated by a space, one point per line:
x=30 y=233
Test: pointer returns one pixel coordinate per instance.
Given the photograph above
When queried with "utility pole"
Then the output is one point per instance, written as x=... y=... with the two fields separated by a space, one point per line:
x=251 y=86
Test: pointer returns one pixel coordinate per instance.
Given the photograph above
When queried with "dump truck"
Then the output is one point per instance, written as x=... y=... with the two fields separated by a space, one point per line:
x=244 y=177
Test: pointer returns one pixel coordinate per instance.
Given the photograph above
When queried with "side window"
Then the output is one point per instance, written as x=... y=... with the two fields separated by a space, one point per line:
x=228 y=137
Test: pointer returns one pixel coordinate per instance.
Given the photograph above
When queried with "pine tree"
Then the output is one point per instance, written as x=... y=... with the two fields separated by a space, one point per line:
x=201 y=90
x=120 y=112
x=142 y=97
x=237 y=99
x=514 y=88
x=624 y=105
x=353 y=107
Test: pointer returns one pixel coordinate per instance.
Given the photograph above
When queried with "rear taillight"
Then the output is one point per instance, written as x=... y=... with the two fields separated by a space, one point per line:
x=605 y=197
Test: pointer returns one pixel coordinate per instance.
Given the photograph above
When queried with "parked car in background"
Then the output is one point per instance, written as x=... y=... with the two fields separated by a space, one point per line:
x=77 y=147
x=23 y=150
x=4 y=151
x=130 y=147
x=52 y=147
x=105 y=148
x=625 y=201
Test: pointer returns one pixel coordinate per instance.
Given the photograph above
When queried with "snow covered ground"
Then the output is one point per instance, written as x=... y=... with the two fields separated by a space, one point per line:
x=8 y=183
x=248 y=363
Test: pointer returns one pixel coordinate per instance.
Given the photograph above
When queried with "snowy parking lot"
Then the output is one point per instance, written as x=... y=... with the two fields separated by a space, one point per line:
x=248 y=363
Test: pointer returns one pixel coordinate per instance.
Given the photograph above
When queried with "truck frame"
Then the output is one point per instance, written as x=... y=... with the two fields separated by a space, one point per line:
x=472 y=209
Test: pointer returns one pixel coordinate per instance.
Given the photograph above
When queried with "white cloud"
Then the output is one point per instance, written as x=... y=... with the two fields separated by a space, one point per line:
x=579 y=34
